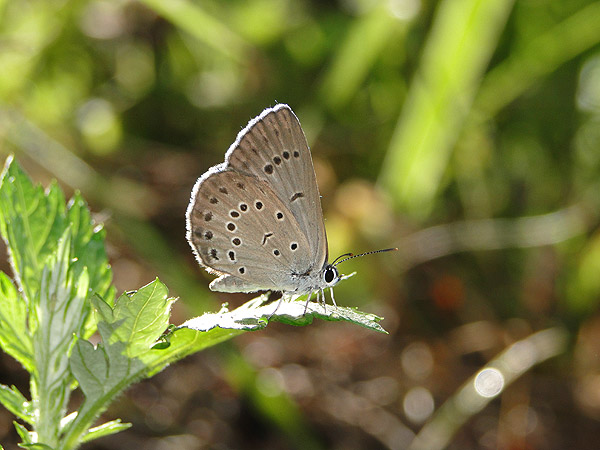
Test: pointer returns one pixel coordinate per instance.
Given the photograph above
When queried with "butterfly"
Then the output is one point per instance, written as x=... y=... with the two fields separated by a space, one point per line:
x=256 y=221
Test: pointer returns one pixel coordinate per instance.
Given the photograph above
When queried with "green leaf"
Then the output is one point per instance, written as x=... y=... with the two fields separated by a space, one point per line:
x=105 y=369
x=57 y=314
x=138 y=319
x=32 y=222
x=102 y=372
x=128 y=333
x=255 y=315
x=36 y=446
x=63 y=305
x=213 y=328
x=248 y=317
x=25 y=436
x=88 y=248
x=16 y=403
x=14 y=336
x=23 y=433
x=293 y=314
x=185 y=341
x=106 y=429
x=58 y=259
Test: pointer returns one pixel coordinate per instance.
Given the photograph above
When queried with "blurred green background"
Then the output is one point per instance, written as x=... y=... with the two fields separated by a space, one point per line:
x=464 y=132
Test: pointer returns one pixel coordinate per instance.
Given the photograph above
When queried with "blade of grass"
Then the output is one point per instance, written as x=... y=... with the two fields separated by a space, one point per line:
x=364 y=41
x=541 y=56
x=463 y=38
x=503 y=370
x=196 y=21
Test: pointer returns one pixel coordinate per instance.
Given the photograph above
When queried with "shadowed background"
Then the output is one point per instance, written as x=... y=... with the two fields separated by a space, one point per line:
x=464 y=132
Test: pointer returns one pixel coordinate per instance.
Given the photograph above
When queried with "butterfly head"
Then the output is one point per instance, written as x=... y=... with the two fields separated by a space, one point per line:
x=330 y=274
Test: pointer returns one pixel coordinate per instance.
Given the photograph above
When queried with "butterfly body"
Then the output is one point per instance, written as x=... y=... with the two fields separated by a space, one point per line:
x=256 y=219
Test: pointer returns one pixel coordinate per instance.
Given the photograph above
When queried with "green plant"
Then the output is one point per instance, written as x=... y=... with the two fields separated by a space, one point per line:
x=62 y=293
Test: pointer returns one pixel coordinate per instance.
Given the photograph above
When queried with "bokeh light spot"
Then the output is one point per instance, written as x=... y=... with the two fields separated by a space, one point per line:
x=489 y=382
x=418 y=404
x=417 y=360
x=99 y=125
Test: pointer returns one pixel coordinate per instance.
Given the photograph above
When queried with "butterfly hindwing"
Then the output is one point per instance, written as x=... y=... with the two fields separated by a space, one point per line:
x=239 y=226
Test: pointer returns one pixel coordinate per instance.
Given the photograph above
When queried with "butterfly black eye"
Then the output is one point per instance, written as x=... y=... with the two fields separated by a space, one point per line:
x=330 y=274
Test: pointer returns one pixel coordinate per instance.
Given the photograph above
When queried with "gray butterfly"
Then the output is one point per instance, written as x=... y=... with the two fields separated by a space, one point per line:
x=256 y=219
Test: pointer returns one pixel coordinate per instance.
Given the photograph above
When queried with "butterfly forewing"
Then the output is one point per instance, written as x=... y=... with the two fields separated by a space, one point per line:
x=239 y=226
x=273 y=148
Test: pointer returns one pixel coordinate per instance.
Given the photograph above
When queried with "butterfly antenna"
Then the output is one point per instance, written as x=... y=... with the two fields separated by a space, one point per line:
x=341 y=256
x=351 y=256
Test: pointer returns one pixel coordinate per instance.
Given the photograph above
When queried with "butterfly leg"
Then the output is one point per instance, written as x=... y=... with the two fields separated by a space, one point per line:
x=276 y=308
x=308 y=300
x=323 y=302
x=332 y=299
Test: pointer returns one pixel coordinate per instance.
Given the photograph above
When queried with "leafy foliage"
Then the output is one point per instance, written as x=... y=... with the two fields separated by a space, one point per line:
x=58 y=259
x=57 y=254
